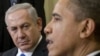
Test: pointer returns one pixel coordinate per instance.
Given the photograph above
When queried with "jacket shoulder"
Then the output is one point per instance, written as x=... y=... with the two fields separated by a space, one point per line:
x=10 y=52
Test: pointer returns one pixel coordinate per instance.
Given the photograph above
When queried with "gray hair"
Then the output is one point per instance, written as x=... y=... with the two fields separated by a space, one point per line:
x=31 y=10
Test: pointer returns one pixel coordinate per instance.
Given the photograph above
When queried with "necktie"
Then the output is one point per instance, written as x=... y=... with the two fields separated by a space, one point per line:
x=22 y=54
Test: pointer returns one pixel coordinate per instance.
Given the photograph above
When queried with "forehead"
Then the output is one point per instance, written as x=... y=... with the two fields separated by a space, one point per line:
x=69 y=4
x=63 y=2
x=61 y=5
x=64 y=8
x=18 y=14
x=18 y=17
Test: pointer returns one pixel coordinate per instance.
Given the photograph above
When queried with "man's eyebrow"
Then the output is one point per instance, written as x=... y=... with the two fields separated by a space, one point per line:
x=55 y=14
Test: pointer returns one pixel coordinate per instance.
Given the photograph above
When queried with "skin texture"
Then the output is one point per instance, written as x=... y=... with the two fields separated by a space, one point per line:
x=23 y=30
x=62 y=31
x=66 y=36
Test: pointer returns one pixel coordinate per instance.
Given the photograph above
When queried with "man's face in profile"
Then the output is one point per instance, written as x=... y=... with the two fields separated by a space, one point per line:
x=62 y=31
x=24 y=32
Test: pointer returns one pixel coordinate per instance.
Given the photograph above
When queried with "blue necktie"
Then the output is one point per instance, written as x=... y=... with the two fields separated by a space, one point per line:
x=22 y=54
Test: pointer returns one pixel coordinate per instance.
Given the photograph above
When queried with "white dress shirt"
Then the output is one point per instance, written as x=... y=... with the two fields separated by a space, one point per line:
x=94 y=53
x=31 y=51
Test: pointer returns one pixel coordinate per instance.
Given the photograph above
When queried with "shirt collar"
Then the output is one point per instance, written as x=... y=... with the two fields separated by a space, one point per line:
x=94 y=53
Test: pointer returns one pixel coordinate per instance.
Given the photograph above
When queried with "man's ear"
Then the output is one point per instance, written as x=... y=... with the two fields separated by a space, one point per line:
x=87 y=28
x=39 y=23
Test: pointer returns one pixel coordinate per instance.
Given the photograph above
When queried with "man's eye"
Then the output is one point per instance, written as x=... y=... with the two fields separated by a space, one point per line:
x=57 y=19
x=13 y=29
x=26 y=26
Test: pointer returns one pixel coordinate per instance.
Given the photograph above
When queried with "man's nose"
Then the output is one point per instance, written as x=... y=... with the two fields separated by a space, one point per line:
x=21 y=34
x=47 y=30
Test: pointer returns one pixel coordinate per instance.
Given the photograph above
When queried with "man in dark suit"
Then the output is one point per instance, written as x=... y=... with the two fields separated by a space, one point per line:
x=74 y=29
x=25 y=27
x=5 y=40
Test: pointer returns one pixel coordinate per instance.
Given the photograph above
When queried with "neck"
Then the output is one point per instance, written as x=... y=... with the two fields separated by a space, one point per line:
x=86 y=47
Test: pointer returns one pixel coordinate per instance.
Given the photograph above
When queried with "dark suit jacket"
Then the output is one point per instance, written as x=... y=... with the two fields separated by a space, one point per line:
x=0 y=54
x=5 y=39
x=41 y=50
x=98 y=54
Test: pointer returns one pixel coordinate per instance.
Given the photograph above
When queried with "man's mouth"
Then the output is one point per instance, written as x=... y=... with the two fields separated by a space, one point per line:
x=49 y=41
x=23 y=42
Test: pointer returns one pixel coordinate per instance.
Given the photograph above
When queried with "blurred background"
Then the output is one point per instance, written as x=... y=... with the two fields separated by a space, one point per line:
x=49 y=6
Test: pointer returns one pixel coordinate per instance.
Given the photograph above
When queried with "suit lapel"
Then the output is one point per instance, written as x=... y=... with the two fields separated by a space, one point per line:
x=11 y=52
x=41 y=49
x=14 y=52
x=98 y=54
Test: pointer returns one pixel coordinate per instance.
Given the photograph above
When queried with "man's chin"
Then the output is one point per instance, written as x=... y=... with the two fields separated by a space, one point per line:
x=52 y=54
x=25 y=48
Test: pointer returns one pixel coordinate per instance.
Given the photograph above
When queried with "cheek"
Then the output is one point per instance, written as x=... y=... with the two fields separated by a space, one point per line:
x=59 y=46
x=13 y=36
x=59 y=39
x=32 y=34
x=15 y=39
x=65 y=36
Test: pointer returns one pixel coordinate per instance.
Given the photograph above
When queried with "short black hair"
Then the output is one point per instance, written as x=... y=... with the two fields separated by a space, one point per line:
x=89 y=9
